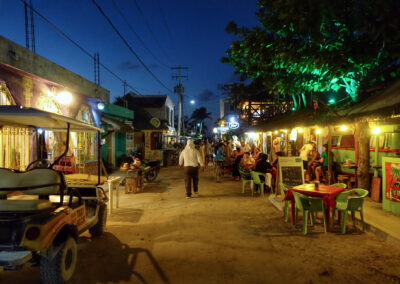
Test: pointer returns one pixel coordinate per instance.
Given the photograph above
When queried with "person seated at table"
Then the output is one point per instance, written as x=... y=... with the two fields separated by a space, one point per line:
x=262 y=166
x=314 y=162
x=247 y=160
x=256 y=153
x=323 y=167
x=237 y=156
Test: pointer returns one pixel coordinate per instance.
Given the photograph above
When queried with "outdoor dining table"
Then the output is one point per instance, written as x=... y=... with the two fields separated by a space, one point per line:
x=326 y=192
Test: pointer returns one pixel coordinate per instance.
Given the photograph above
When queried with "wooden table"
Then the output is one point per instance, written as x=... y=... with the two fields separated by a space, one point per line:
x=326 y=192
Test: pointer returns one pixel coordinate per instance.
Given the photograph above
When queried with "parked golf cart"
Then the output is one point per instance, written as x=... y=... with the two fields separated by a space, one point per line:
x=41 y=216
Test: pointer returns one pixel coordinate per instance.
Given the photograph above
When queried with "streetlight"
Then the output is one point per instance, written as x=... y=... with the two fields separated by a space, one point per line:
x=192 y=102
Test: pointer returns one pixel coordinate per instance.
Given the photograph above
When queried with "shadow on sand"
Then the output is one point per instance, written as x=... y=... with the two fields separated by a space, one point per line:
x=106 y=259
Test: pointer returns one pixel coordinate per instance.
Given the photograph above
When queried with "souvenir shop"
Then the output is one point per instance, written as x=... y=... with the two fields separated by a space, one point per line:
x=20 y=146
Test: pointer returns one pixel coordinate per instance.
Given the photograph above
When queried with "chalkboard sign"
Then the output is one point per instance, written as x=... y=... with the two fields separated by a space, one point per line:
x=291 y=171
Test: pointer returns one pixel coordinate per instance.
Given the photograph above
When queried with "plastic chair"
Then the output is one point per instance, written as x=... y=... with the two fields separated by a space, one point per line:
x=308 y=205
x=345 y=202
x=340 y=185
x=246 y=177
x=257 y=181
x=285 y=188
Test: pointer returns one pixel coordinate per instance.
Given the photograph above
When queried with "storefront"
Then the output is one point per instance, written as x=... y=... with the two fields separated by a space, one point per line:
x=18 y=146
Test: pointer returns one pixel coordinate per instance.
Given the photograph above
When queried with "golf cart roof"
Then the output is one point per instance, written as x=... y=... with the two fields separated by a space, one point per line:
x=30 y=117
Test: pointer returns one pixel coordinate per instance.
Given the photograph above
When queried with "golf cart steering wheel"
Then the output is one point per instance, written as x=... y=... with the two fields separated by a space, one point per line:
x=39 y=164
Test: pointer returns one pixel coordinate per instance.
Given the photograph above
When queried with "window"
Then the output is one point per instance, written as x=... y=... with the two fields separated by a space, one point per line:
x=335 y=141
x=381 y=142
x=347 y=141
x=156 y=140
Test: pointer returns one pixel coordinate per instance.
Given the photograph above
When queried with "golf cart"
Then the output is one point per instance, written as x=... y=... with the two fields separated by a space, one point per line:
x=41 y=214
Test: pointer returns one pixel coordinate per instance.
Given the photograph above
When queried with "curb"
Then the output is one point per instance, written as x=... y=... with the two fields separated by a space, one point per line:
x=378 y=231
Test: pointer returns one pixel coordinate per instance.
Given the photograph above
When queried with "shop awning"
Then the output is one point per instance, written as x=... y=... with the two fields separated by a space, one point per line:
x=30 y=117
x=117 y=125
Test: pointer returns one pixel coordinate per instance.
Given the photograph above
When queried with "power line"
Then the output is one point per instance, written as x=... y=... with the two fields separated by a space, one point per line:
x=151 y=31
x=137 y=36
x=77 y=45
x=129 y=47
x=164 y=20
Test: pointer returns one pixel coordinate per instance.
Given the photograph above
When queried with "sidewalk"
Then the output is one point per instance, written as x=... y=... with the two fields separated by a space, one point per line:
x=383 y=224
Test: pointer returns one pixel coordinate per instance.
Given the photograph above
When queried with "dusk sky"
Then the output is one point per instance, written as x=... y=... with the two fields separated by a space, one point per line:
x=188 y=33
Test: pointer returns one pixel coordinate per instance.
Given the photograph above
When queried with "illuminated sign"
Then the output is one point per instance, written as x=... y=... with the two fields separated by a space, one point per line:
x=233 y=125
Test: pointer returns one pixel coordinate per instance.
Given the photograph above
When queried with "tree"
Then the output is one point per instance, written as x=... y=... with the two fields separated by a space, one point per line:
x=318 y=45
x=198 y=116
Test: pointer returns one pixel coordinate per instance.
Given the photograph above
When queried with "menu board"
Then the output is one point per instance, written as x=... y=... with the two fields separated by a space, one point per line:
x=291 y=171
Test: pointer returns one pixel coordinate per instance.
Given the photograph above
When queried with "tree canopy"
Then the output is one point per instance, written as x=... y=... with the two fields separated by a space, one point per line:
x=319 y=45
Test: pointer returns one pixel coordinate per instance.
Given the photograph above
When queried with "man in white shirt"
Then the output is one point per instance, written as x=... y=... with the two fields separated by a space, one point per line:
x=305 y=153
x=190 y=159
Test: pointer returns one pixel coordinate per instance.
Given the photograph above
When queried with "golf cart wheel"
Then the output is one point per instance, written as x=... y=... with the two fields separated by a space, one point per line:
x=61 y=268
x=98 y=229
x=151 y=175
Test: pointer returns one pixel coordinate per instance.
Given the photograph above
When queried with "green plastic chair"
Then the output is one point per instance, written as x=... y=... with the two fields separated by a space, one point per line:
x=340 y=185
x=308 y=205
x=245 y=179
x=346 y=202
x=285 y=188
x=257 y=181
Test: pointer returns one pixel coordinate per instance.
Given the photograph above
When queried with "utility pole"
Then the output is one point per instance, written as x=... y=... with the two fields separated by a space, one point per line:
x=29 y=27
x=125 y=96
x=97 y=69
x=180 y=90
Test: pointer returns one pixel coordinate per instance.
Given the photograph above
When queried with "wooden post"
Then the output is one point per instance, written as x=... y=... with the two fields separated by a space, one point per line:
x=329 y=152
x=362 y=159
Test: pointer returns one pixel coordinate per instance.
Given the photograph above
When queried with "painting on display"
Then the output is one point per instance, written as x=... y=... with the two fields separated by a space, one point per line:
x=392 y=180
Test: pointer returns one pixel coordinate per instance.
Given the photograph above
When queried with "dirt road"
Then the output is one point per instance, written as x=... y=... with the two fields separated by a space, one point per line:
x=222 y=236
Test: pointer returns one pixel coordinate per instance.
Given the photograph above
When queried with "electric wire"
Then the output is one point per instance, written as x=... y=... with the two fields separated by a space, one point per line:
x=79 y=46
x=164 y=20
x=150 y=30
x=136 y=34
x=128 y=45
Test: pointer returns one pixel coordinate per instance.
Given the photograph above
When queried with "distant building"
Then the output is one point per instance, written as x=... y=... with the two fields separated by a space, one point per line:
x=159 y=106
x=226 y=108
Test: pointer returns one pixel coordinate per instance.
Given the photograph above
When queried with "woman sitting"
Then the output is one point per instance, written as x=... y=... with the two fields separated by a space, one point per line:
x=323 y=167
x=247 y=160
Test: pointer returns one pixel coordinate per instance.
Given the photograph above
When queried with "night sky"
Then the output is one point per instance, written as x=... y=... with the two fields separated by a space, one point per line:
x=188 y=33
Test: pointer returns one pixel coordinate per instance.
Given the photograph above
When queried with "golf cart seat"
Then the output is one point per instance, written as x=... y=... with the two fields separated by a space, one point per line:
x=39 y=182
x=24 y=205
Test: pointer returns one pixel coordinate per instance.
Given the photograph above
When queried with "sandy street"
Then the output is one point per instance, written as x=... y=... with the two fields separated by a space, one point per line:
x=222 y=236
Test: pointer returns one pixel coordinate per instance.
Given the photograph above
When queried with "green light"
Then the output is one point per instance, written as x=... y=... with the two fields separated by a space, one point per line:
x=293 y=108
x=331 y=101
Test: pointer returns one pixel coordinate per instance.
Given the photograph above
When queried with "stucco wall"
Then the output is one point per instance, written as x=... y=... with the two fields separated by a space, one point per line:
x=19 y=57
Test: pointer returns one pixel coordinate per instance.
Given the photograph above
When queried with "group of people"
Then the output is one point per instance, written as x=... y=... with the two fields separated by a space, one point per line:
x=241 y=158
x=315 y=163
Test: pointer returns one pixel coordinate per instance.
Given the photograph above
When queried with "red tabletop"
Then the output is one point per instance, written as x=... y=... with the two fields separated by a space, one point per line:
x=326 y=192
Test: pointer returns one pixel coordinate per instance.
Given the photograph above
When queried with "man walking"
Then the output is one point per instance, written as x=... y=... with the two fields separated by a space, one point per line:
x=190 y=159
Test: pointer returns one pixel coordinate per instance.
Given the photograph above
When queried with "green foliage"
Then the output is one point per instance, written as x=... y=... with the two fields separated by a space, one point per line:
x=318 y=45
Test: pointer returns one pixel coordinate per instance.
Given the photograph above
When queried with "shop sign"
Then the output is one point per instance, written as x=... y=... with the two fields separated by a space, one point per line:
x=233 y=125
x=155 y=122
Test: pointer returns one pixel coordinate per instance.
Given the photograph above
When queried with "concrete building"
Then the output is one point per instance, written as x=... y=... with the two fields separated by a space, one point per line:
x=30 y=80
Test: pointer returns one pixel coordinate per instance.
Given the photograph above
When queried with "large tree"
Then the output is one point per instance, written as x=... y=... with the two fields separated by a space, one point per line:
x=319 y=45
x=198 y=117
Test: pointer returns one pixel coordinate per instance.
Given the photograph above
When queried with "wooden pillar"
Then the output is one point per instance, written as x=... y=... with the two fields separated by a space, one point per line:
x=362 y=137
x=330 y=175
